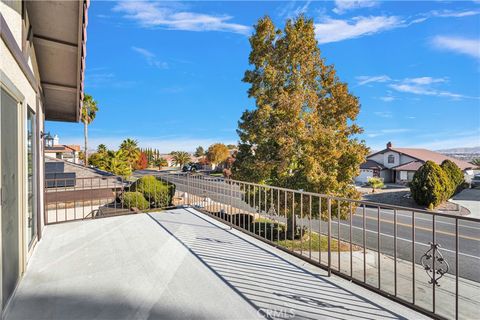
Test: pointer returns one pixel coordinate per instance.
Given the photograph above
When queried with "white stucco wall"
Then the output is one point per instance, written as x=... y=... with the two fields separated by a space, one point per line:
x=377 y=158
x=16 y=83
x=14 y=21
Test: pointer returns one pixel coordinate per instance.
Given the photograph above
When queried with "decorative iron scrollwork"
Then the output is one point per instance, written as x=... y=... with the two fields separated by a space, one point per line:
x=434 y=263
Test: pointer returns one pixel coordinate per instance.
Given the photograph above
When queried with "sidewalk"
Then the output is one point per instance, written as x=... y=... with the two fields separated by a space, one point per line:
x=470 y=199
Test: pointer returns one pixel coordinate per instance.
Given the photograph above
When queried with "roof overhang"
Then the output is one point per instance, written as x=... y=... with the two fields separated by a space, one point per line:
x=59 y=37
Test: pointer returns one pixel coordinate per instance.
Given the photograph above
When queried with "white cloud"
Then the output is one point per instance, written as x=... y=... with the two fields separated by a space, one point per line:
x=383 y=114
x=334 y=30
x=425 y=80
x=454 y=14
x=290 y=10
x=151 y=58
x=383 y=132
x=425 y=90
x=168 y=16
x=362 y=80
x=417 y=85
x=470 y=47
x=341 y=6
x=387 y=98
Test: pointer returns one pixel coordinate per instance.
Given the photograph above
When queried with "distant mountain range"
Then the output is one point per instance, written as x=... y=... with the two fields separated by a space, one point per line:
x=461 y=150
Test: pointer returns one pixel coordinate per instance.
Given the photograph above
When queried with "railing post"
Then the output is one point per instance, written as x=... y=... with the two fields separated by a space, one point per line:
x=329 y=206
x=188 y=190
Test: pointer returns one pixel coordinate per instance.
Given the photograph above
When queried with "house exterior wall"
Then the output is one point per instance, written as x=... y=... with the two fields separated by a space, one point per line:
x=377 y=158
x=14 y=81
x=386 y=175
x=405 y=159
x=364 y=176
x=396 y=159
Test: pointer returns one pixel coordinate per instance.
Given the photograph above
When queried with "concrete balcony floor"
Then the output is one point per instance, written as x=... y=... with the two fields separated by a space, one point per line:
x=180 y=264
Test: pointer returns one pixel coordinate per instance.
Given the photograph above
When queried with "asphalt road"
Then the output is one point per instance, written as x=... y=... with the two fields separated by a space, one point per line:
x=468 y=231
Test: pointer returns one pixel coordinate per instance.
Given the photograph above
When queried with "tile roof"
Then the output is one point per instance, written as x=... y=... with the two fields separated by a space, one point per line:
x=409 y=166
x=370 y=164
x=62 y=148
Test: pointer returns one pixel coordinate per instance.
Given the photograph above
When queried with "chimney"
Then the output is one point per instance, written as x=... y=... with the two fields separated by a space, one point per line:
x=389 y=145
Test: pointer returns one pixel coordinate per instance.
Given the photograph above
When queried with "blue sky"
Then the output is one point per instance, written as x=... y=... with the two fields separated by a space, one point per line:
x=169 y=73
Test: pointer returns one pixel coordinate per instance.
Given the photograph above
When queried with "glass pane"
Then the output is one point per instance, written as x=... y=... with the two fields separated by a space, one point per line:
x=31 y=176
x=10 y=204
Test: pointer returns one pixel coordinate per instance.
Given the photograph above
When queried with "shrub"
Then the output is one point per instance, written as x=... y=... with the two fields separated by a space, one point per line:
x=375 y=183
x=454 y=174
x=155 y=191
x=135 y=199
x=429 y=186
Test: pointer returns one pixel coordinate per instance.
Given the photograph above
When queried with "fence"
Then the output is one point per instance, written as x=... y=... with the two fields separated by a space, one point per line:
x=425 y=260
x=71 y=199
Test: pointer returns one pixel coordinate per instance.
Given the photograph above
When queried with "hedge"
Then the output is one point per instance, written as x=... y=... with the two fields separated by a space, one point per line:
x=157 y=193
x=135 y=199
x=430 y=185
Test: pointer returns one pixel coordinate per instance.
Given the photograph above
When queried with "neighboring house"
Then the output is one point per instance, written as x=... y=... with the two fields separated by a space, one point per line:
x=42 y=51
x=65 y=152
x=398 y=165
x=171 y=162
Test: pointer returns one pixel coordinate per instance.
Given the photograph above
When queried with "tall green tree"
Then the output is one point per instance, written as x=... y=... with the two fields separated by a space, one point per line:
x=199 y=152
x=180 y=158
x=300 y=135
x=130 y=150
x=88 y=113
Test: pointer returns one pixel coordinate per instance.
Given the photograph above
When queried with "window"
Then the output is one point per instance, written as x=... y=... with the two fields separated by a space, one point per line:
x=391 y=158
x=31 y=178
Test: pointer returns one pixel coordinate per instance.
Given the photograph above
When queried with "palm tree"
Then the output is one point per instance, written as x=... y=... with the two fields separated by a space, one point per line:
x=476 y=162
x=117 y=164
x=130 y=150
x=181 y=158
x=88 y=113
x=102 y=148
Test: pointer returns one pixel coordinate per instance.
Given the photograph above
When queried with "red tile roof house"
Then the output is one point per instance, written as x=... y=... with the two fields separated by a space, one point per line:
x=398 y=165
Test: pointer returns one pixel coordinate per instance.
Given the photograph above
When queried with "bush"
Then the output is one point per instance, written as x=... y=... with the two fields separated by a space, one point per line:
x=375 y=183
x=430 y=185
x=454 y=174
x=135 y=199
x=157 y=193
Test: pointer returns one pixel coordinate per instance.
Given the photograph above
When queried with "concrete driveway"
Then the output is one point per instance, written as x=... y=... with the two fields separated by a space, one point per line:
x=470 y=199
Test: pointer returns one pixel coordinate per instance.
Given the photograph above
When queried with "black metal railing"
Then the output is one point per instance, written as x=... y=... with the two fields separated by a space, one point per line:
x=103 y=196
x=423 y=259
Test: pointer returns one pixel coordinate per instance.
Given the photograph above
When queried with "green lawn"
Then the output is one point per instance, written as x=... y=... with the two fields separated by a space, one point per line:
x=317 y=243
x=312 y=239
x=218 y=174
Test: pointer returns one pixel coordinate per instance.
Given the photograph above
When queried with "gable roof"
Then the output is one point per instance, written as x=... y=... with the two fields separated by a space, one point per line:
x=425 y=155
x=370 y=164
